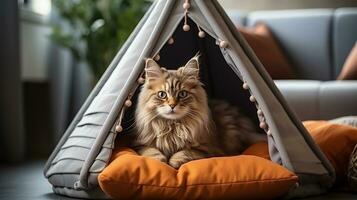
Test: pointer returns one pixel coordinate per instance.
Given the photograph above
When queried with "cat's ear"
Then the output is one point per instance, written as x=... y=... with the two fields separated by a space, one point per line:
x=152 y=69
x=192 y=67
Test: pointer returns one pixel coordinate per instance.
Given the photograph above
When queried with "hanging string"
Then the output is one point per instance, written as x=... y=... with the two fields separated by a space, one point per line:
x=186 y=27
x=201 y=33
x=263 y=124
x=141 y=79
x=118 y=127
x=186 y=6
x=128 y=103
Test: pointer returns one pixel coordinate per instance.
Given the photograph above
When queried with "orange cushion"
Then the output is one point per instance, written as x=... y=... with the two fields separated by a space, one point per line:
x=267 y=49
x=130 y=176
x=259 y=149
x=349 y=69
x=335 y=140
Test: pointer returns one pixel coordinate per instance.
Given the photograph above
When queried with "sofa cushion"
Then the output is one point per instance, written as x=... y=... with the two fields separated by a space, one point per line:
x=349 y=70
x=337 y=99
x=264 y=45
x=313 y=100
x=305 y=36
x=302 y=96
x=344 y=37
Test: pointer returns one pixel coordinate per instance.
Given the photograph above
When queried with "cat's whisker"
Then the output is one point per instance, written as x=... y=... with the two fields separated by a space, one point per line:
x=149 y=115
x=131 y=126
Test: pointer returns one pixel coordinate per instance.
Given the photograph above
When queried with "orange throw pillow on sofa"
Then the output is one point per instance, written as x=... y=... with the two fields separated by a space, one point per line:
x=349 y=69
x=264 y=45
x=335 y=140
x=130 y=176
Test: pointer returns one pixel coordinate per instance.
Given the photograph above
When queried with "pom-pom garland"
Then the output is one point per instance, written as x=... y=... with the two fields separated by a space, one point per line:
x=223 y=44
x=186 y=27
x=171 y=41
x=186 y=5
x=118 y=128
x=128 y=103
x=157 y=57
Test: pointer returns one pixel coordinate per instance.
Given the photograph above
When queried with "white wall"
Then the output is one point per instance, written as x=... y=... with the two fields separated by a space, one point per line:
x=34 y=39
x=34 y=42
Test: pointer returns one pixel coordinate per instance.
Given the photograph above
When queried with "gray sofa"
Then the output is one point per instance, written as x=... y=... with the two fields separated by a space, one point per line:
x=317 y=42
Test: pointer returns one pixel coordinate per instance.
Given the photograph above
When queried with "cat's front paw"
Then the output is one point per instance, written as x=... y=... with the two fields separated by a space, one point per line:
x=153 y=153
x=176 y=163
x=178 y=159
x=159 y=157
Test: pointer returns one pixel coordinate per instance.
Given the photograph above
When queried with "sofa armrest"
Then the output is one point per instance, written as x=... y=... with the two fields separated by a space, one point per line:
x=314 y=100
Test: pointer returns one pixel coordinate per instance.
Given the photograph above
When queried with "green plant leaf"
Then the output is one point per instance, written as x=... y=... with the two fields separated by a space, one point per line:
x=97 y=28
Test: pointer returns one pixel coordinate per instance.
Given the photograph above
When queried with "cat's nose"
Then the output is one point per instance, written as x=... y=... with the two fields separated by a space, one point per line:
x=172 y=103
x=172 y=106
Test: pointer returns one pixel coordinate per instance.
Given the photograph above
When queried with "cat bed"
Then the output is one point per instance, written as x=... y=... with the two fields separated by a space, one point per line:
x=230 y=71
x=249 y=176
x=130 y=176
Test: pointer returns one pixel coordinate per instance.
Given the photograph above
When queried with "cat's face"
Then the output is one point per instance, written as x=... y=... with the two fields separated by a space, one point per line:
x=172 y=94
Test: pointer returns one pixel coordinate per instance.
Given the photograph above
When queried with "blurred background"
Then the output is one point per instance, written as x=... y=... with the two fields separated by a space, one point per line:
x=53 y=52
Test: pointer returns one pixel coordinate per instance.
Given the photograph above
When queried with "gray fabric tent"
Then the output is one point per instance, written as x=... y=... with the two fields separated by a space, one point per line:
x=85 y=148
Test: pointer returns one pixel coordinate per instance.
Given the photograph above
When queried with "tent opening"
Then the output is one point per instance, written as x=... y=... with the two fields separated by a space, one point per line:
x=220 y=81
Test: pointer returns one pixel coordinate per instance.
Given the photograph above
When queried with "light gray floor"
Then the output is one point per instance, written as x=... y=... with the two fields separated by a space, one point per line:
x=26 y=182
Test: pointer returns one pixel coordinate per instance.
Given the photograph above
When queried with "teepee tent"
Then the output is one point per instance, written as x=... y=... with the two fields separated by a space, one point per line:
x=172 y=34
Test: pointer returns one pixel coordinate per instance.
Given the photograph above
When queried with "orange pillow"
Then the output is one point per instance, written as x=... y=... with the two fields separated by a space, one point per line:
x=260 y=149
x=335 y=140
x=130 y=176
x=349 y=69
x=264 y=45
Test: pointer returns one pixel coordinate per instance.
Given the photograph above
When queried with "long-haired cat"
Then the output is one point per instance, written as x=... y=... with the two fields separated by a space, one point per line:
x=175 y=124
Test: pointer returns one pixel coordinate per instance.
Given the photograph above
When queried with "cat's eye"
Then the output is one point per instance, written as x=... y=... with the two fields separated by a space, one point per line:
x=182 y=94
x=161 y=94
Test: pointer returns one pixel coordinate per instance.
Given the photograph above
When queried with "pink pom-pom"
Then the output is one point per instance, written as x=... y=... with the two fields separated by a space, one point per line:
x=171 y=41
x=245 y=86
x=157 y=57
x=118 y=128
x=263 y=125
x=128 y=103
x=186 y=6
x=141 y=80
x=223 y=44
x=201 y=34
x=259 y=112
x=186 y=27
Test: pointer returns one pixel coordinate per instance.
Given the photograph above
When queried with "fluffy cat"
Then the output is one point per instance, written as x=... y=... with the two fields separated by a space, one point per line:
x=175 y=124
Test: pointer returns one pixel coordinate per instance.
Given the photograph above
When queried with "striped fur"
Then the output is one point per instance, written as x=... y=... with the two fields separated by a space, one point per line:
x=176 y=127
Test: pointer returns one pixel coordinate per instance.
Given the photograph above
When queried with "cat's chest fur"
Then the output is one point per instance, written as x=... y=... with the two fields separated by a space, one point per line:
x=171 y=136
